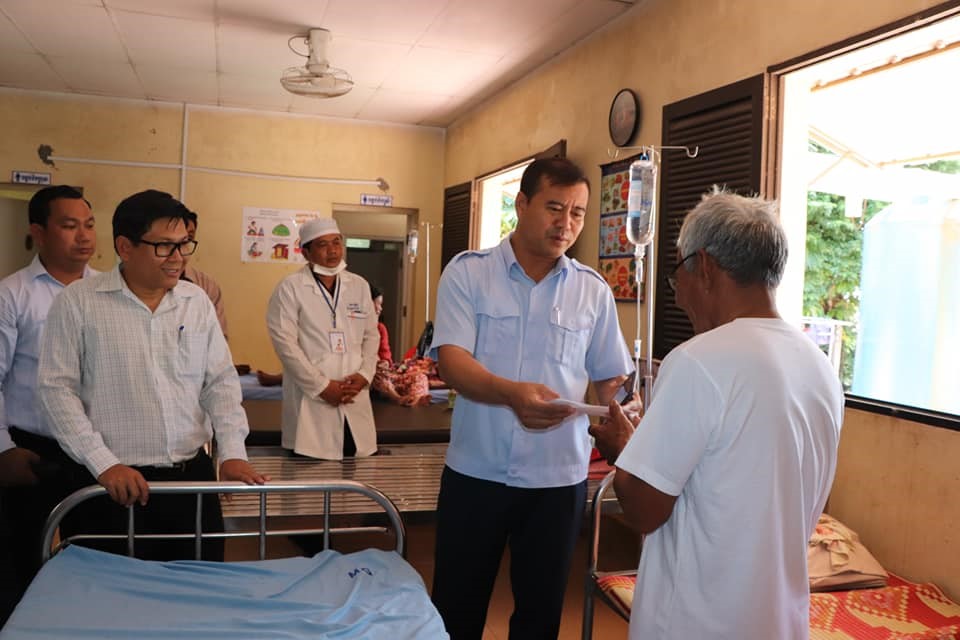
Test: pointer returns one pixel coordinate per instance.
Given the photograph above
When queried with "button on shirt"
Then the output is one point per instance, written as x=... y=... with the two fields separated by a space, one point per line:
x=120 y=384
x=562 y=332
x=25 y=299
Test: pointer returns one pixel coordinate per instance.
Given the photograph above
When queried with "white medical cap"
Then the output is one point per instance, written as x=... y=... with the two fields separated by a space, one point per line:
x=317 y=227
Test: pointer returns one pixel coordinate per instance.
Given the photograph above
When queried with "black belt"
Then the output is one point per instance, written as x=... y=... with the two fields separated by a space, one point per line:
x=49 y=448
x=44 y=446
x=174 y=466
x=177 y=467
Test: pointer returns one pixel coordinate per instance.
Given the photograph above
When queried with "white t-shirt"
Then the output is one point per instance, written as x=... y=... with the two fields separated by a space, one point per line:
x=743 y=428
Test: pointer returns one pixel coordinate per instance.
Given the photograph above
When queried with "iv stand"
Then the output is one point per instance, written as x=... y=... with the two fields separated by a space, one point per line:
x=641 y=256
x=651 y=149
x=428 y=226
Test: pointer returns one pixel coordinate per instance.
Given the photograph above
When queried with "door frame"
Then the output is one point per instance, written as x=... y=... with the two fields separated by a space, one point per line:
x=407 y=273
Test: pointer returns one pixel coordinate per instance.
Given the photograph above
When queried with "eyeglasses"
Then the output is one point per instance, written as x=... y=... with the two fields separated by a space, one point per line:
x=166 y=249
x=672 y=278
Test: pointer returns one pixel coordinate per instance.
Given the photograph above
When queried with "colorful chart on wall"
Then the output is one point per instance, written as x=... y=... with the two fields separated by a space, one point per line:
x=270 y=235
x=617 y=264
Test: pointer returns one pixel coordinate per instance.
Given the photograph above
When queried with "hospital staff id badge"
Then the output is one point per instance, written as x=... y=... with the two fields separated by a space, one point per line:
x=338 y=342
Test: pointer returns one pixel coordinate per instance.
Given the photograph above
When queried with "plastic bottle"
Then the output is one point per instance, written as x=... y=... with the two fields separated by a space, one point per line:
x=413 y=240
x=640 y=215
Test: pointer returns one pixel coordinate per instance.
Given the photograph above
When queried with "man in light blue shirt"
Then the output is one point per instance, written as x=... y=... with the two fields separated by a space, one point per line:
x=518 y=326
x=62 y=227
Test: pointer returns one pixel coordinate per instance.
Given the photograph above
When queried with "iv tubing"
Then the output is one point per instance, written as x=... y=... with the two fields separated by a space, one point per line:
x=638 y=253
x=648 y=297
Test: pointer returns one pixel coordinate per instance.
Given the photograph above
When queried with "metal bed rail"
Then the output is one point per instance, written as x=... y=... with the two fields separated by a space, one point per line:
x=603 y=498
x=258 y=493
x=409 y=474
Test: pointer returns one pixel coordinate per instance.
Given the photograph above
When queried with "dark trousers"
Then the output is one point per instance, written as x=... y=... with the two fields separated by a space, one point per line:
x=9 y=579
x=349 y=446
x=162 y=514
x=476 y=520
x=311 y=544
x=25 y=510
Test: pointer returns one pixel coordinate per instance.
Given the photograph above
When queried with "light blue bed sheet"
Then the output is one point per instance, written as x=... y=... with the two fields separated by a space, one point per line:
x=371 y=594
x=251 y=389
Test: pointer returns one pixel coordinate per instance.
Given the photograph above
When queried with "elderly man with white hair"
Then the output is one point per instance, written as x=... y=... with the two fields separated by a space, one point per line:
x=324 y=329
x=730 y=467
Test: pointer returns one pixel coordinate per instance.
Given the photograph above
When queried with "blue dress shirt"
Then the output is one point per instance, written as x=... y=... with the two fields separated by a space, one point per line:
x=25 y=299
x=561 y=332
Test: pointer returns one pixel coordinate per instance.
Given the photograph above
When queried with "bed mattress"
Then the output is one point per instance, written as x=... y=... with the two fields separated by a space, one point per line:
x=370 y=594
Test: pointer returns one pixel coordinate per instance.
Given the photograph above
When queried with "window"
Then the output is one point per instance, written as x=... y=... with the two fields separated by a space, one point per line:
x=456 y=221
x=869 y=189
x=497 y=214
x=468 y=227
x=727 y=125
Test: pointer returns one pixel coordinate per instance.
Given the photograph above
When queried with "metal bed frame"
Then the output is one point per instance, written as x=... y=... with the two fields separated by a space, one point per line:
x=323 y=490
x=601 y=503
x=409 y=474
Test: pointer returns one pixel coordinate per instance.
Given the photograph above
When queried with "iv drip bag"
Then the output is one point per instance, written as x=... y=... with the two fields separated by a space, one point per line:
x=640 y=202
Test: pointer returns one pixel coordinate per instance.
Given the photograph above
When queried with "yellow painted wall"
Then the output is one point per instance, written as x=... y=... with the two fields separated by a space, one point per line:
x=897 y=481
x=897 y=485
x=665 y=50
x=409 y=158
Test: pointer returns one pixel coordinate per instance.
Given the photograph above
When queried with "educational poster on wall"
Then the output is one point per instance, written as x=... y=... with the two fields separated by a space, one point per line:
x=617 y=264
x=271 y=235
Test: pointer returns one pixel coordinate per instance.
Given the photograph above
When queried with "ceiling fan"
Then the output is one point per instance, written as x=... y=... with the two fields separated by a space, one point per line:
x=316 y=78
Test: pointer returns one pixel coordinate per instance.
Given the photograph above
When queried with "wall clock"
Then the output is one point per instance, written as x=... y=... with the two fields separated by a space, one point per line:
x=624 y=117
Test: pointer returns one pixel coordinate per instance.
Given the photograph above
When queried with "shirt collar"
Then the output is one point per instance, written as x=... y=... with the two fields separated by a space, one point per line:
x=307 y=278
x=513 y=267
x=36 y=270
x=113 y=281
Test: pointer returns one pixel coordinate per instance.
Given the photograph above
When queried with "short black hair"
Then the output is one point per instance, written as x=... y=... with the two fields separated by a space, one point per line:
x=136 y=214
x=38 y=211
x=191 y=217
x=558 y=171
x=375 y=292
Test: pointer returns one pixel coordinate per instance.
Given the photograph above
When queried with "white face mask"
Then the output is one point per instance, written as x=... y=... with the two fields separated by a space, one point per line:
x=327 y=271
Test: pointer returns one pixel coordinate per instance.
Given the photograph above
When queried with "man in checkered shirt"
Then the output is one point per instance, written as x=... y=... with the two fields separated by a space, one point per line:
x=132 y=362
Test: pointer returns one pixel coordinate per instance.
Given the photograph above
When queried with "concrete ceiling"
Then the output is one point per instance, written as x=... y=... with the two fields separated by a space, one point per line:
x=422 y=62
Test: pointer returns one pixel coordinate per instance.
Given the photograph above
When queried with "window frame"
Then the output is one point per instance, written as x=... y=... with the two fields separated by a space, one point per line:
x=776 y=72
x=728 y=125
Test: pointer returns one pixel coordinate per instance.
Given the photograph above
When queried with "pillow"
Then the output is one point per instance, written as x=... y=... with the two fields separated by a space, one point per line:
x=836 y=559
x=619 y=588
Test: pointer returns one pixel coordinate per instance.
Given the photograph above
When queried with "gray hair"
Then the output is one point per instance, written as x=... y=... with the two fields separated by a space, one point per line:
x=742 y=234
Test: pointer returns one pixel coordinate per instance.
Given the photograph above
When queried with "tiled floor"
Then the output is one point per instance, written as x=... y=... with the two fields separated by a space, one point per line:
x=420 y=541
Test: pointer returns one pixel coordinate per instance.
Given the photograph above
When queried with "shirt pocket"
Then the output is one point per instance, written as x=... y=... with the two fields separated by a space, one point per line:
x=498 y=328
x=191 y=355
x=568 y=339
x=356 y=324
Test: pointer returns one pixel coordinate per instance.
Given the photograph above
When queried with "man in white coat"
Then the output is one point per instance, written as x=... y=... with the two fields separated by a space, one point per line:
x=324 y=329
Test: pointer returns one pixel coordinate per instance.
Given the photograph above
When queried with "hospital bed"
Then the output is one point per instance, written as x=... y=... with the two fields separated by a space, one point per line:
x=901 y=610
x=408 y=473
x=263 y=407
x=369 y=594
x=395 y=424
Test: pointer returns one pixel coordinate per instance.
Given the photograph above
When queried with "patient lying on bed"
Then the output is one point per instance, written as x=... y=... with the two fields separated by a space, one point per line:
x=407 y=383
